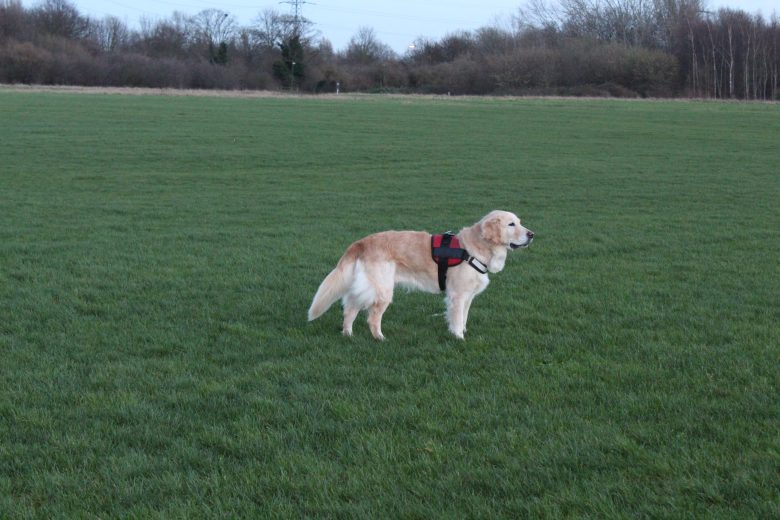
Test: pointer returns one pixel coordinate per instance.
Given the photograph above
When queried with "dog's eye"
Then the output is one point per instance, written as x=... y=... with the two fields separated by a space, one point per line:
x=512 y=224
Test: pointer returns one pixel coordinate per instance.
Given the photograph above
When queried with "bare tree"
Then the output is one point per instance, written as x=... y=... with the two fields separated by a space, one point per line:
x=213 y=27
x=730 y=62
x=165 y=38
x=748 y=35
x=60 y=18
x=494 y=40
x=713 y=50
x=110 y=33
x=270 y=28
x=364 y=48
x=539 y=14
x=775 y=57
x=14 y=20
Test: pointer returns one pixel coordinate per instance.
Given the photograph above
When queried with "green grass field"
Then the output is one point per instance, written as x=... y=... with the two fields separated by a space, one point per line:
x=158 y=255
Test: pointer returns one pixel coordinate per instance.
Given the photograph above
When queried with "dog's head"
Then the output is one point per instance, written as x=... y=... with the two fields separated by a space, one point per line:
x=502 y=228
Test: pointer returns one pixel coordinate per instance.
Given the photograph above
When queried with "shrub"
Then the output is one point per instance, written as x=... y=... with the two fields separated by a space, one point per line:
x=23 y=63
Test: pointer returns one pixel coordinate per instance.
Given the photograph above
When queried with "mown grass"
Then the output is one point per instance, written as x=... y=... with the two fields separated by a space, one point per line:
x=158 y=255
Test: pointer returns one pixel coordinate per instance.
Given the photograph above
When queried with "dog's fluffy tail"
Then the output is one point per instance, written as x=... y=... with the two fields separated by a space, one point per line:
x=335 y=285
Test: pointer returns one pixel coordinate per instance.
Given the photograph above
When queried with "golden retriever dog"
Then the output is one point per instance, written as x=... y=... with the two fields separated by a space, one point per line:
x=370 y=268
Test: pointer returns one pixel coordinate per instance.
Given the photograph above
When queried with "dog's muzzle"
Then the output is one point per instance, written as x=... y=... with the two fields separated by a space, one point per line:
x=529 y=237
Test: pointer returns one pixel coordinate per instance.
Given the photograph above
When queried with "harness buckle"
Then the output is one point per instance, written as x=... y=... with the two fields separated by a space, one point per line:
x=481 y=268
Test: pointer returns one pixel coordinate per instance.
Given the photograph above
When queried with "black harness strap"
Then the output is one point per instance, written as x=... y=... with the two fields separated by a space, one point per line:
x=443 y=253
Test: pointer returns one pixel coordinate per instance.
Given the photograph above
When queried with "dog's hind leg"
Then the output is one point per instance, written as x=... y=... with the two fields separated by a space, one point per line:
x=350 y=313
x=382 y=279
x=375 y=317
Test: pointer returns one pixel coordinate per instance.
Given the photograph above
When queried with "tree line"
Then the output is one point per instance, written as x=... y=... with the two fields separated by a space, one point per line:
x=657 y=48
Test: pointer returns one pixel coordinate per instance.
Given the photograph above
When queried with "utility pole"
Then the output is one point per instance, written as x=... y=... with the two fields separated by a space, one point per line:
x=297 y=7
x=293 y=41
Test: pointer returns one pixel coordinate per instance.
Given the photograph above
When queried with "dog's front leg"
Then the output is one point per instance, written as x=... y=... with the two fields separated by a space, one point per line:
x=466 y=307
x=456 y=317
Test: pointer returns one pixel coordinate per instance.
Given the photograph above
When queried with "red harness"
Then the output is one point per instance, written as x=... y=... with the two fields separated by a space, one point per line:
x=446 y=252
x=447 y=246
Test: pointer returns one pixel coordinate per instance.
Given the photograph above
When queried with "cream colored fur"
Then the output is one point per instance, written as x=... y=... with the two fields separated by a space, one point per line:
x=367 y=273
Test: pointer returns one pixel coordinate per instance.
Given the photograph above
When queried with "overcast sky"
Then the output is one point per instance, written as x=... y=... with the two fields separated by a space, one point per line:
x=396 y=22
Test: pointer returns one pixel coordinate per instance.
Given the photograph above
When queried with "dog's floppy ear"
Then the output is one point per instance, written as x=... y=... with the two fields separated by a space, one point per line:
x=490 y=229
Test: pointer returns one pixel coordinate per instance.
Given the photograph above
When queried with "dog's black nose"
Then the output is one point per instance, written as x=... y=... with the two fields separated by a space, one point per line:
x=530 y=234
